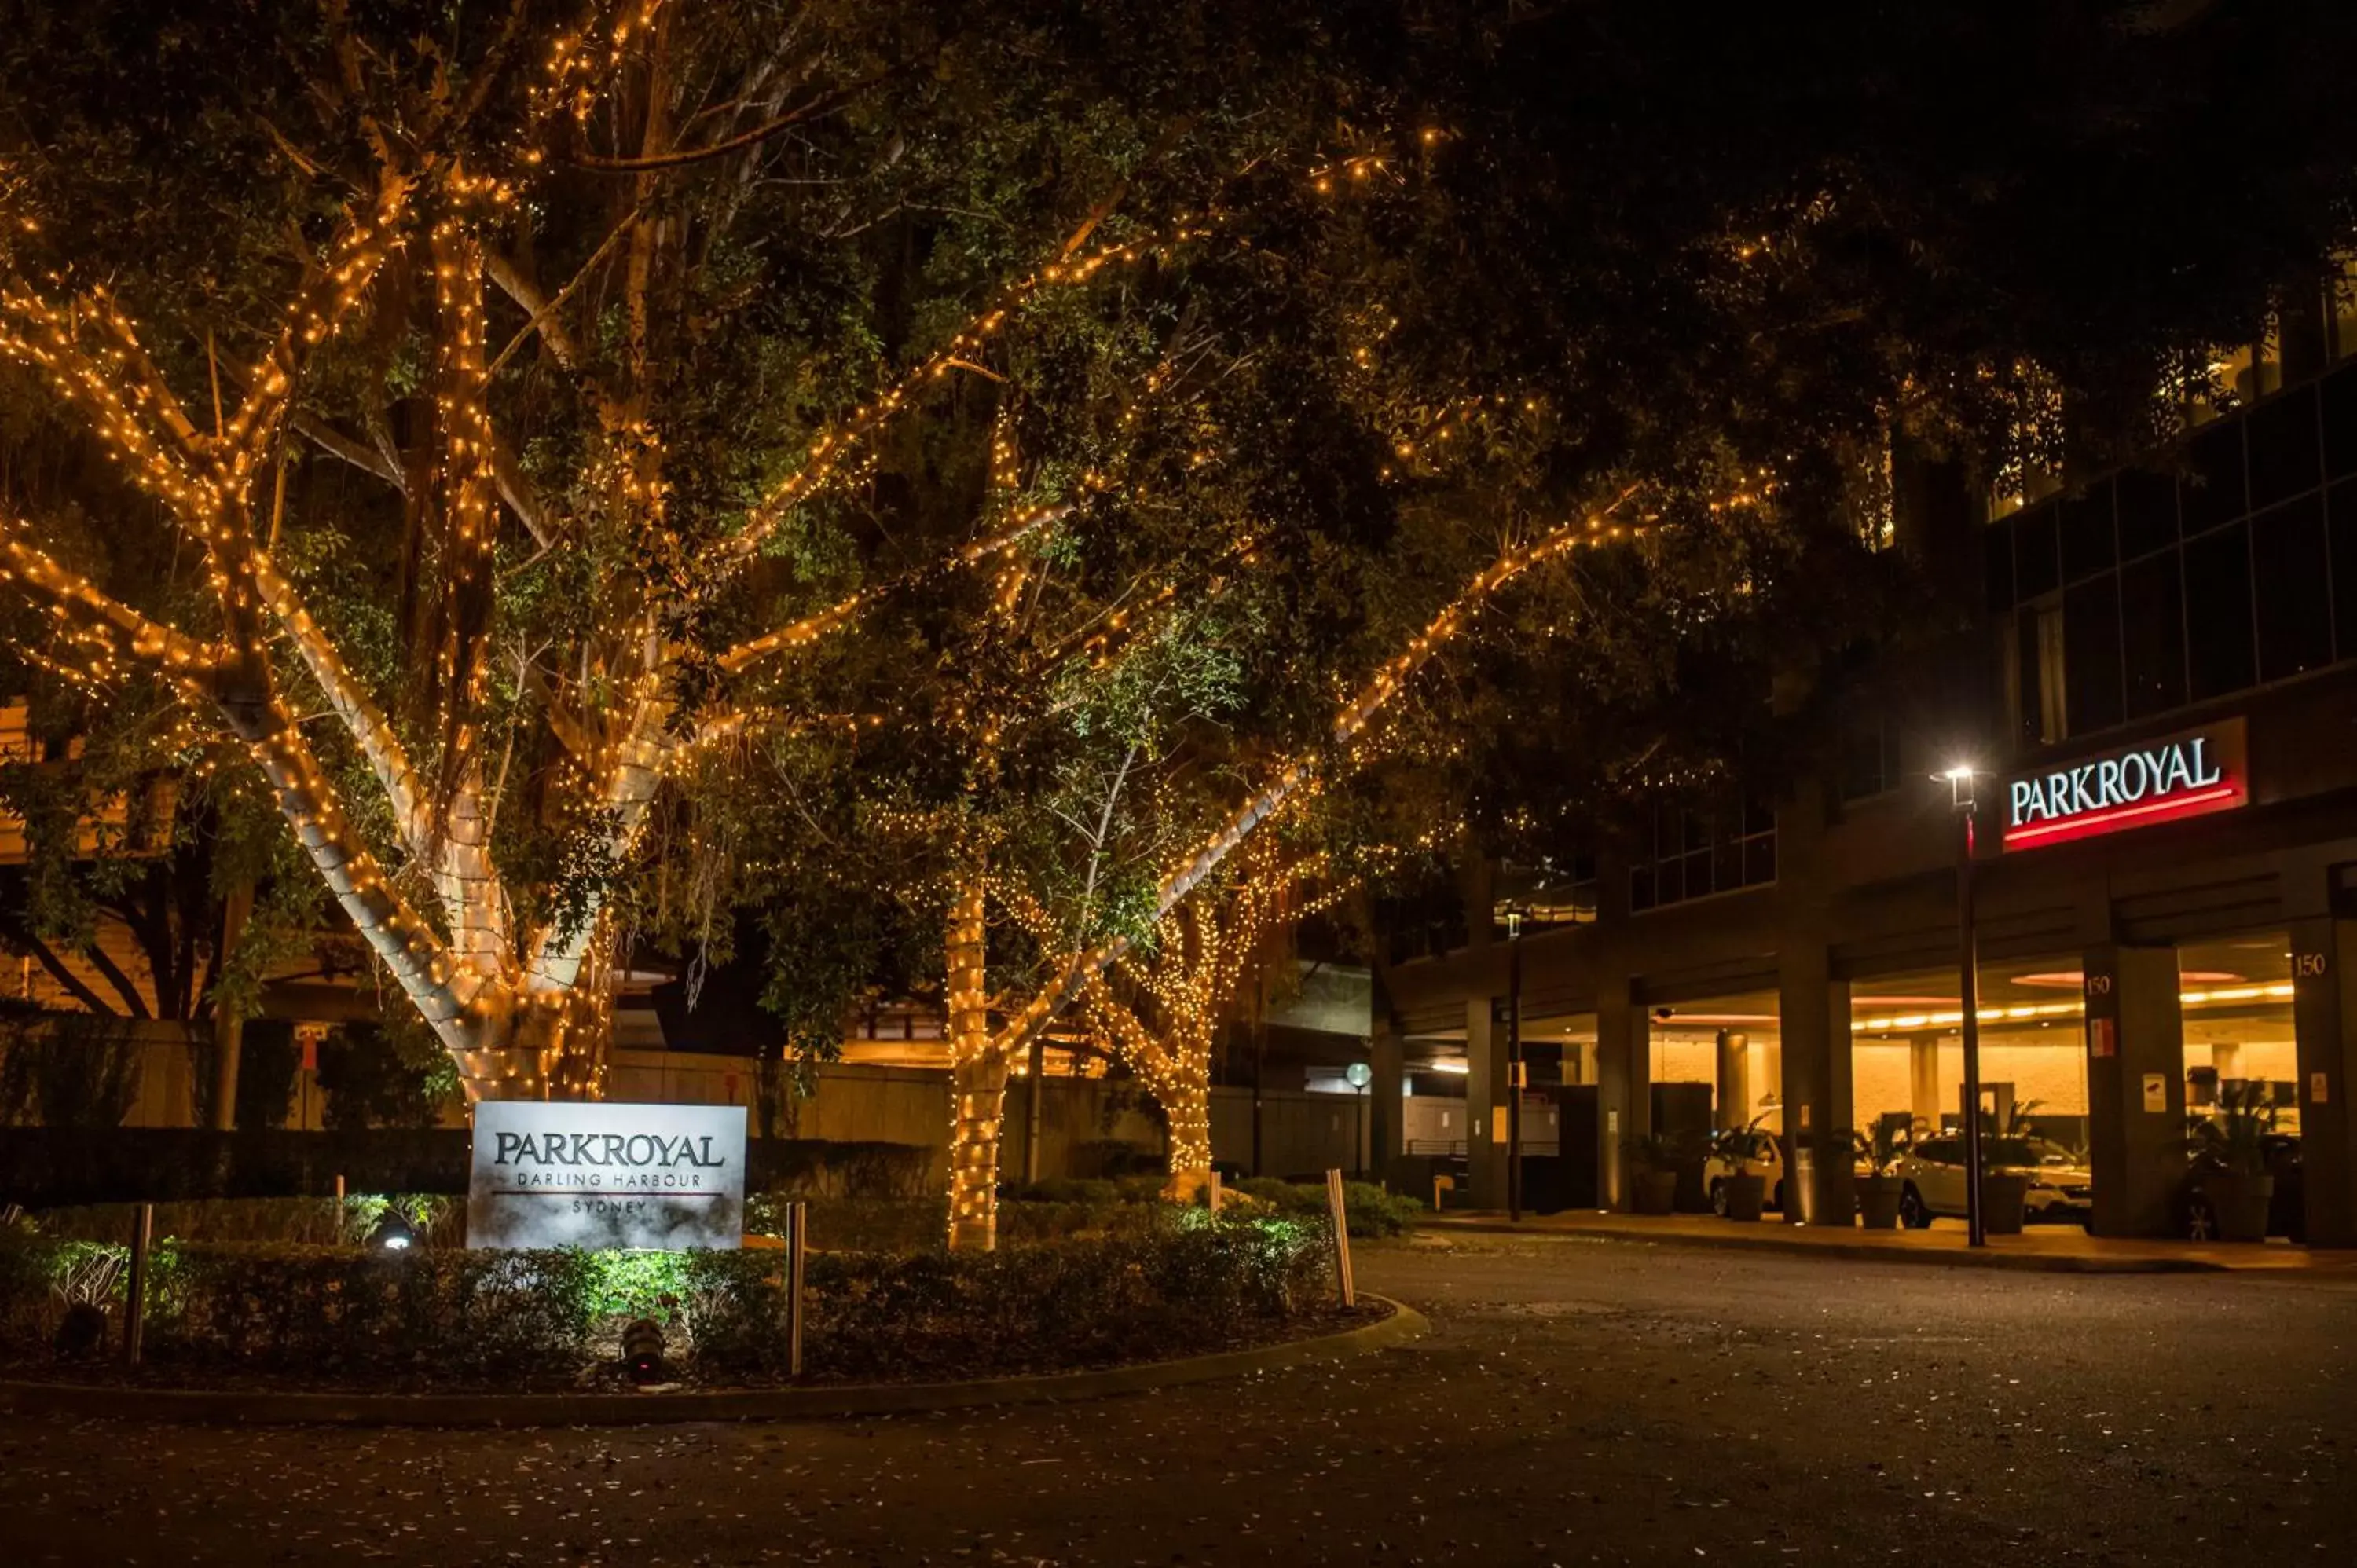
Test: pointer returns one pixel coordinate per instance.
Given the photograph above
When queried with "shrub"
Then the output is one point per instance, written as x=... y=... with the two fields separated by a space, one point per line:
x=1175 y=1281
x=1368 y=1210
x=296 y=1221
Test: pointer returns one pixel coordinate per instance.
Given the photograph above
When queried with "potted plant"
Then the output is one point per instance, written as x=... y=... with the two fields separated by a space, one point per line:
x=1742 y=1192
x=1879 y=1190
x=1658 y=1157
x=2231 y=1149
x=2005 y=1201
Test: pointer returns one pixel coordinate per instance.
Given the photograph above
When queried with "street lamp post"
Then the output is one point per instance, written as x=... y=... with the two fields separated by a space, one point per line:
x=1960 y=797
x=1359 y=1074
x=1514 y=1067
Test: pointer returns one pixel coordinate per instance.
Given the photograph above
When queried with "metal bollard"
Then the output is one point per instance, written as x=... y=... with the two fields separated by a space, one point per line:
x=135 y=1294
x=797 y=1236
x=1214 y=1194
x=1339 y=1214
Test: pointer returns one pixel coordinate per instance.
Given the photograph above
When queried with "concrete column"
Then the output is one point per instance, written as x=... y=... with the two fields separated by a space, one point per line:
x=1923 y=1101
x=1813 y=1014
x=1485 y=1103
x=1387 y=1109
x=2324 y=1019
x=1734 y=1109
x=1624 y=1094
x=2136 y=1088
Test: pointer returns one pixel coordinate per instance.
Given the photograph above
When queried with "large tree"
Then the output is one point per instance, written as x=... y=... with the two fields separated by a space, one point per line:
x=522 y=424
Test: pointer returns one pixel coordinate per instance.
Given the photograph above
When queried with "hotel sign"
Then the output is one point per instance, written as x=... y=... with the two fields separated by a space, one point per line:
x=2186 y=775
x=599 y=1176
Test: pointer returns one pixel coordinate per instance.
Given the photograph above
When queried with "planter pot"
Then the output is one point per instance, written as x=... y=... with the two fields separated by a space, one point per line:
x=1746 y=1195
x=2004 y=1199
x=1656 y=1192
x=1877 y=1201
x=2239 y=1202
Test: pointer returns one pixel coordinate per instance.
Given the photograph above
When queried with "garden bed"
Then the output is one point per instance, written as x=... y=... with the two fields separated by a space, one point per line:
x=1173 y=1283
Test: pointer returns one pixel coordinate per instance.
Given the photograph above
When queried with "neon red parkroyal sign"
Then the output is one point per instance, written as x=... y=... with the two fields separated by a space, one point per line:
x=2164 y=780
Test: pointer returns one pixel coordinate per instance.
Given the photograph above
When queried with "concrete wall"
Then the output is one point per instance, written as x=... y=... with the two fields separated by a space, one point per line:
x=1301 y=1134
x=1080 y=1118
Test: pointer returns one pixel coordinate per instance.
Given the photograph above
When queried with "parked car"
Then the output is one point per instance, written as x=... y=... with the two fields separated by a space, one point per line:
x=1932 y=1172
x=2286 y=1210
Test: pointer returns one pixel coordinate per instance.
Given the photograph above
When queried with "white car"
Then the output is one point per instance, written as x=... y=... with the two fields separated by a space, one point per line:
x=1934 y=1171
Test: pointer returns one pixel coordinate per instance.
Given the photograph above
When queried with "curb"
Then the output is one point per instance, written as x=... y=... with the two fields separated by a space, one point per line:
x=234 y=1408
x=1847 y=1252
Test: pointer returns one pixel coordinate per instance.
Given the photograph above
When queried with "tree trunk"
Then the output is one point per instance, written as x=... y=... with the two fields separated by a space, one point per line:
x=1186 y=1098
x=977 y=1079
x=228 y=1025
x=979 y=1087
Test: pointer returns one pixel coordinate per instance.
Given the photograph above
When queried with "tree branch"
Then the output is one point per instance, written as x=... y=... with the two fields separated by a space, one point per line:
x=824 y=104
x=90 y=617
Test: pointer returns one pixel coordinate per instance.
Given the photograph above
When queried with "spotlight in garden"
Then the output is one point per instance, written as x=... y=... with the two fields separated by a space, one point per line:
x=393 y=1233
x=643 y=1350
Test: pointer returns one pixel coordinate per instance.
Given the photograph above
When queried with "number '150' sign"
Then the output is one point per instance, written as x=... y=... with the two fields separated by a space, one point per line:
x=2136 y=785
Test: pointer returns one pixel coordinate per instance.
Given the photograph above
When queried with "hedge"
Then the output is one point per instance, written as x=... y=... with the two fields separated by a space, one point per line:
x=49 y=1167
x=1369 y=1211
x=1188 y=1283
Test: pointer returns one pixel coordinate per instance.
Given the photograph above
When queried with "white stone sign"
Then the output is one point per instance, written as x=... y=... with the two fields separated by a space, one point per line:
x=596 y=1176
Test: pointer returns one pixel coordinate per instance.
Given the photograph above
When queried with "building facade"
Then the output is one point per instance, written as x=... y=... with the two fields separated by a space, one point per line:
x=2159 y=694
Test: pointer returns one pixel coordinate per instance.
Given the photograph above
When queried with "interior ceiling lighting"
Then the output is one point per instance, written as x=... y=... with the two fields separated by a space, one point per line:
x=1904 y=1023
x=2072 y=980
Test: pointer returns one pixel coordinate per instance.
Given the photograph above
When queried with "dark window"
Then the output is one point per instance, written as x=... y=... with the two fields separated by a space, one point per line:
x=1869 y=761
x=2034 y=568
x=2211 y=490
x=2087 y=533
x=2341 y=421
x=1694 y=854
x=2295 y=595
x=2340 y=502
x=2091 y=654
x=2283 y=448
x=1941 y=1152
x=2152 y=635
x=2218 y=612
x=1998 y=541
x=2029 y=670
x=2147 y=503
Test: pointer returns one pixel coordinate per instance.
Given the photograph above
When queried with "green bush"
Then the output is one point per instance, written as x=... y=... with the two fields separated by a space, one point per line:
x=1173 y=1283
x=1369 y=1211
x=296 y=1222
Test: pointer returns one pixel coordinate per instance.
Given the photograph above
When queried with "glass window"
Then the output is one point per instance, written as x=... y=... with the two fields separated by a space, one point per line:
x=1997 y=541
x=2087 y=527
x=2034 y=571
x=2284 y=460
x=2148 y=507
x=2339 y=394
x=2341 y=508
x=2218 y=612
x=1694 y=854
x=2152 y=635
x=2294 y=591
x=2091 y=654
x=2211 y=492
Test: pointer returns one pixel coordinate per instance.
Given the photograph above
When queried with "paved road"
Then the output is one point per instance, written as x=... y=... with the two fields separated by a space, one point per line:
x=1580 y=1401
